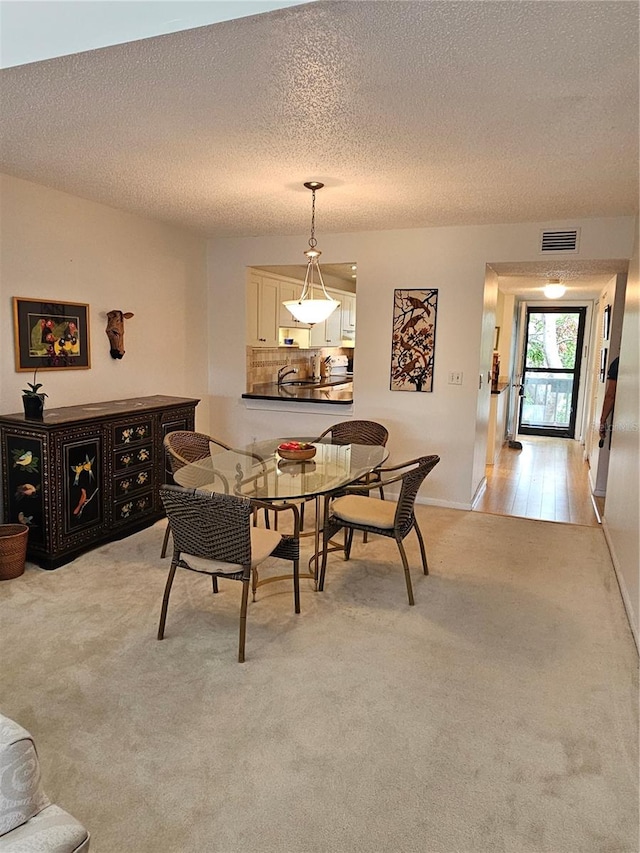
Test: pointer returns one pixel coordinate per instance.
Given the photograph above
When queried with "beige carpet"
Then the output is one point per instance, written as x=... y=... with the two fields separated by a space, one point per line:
x=498 y=714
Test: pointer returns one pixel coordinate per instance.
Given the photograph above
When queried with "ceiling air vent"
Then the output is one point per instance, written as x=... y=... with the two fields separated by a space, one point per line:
x=559 y=241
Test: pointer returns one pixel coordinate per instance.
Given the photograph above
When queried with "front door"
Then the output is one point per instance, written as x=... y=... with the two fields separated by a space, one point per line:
x=551 y=371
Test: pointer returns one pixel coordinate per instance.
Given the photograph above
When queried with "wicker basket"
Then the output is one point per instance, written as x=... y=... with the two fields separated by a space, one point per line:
x=13 y=550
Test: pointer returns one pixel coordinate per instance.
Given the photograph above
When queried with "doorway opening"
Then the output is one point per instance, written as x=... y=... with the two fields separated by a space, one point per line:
x=526 y=473
x=552 y=360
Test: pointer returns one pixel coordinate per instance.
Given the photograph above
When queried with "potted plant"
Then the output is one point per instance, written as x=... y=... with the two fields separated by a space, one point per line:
x=33 y=399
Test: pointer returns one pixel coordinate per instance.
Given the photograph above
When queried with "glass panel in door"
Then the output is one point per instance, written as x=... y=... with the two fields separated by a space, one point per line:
x=551 y=374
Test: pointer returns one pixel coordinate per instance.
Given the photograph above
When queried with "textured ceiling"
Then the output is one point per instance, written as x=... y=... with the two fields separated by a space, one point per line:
x=583 y=279
x=412 y=113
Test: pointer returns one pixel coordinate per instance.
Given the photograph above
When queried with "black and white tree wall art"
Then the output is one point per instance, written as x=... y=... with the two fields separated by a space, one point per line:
x=414 y=339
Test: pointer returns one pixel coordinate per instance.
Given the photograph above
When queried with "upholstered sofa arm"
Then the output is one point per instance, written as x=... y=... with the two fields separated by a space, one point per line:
x=52 y=830
x=28 y=821
x=21 y=794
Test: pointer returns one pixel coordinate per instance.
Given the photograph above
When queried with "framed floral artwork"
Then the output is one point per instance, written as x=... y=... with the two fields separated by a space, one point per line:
x=413 y=340
x=50 y=335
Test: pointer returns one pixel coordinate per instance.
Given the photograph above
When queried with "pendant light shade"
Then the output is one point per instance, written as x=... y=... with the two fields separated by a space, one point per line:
x=554 y=289
x=308 y=309
x=311 y=311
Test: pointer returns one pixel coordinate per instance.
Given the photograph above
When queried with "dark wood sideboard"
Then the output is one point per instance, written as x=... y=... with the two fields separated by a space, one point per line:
x=87 y=474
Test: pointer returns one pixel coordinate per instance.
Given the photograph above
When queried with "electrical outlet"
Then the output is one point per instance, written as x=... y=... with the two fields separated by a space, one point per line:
x=455 y=377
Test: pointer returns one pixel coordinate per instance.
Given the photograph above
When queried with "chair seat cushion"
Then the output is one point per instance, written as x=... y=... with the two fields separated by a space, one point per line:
x=363 y=510
x=263 y=542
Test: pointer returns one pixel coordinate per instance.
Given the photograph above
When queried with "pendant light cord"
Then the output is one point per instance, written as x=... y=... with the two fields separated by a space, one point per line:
x=312 y=239
x=307 y=309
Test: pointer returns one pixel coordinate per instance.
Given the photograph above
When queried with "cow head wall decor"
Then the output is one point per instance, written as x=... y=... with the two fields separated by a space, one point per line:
x=115 y=331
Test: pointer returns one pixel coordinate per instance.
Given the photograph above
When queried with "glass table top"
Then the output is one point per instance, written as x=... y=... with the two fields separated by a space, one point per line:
x=257 y=471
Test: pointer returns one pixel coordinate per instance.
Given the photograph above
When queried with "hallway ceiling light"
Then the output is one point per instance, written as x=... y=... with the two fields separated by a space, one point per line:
x=553 y=289
x=307 y=309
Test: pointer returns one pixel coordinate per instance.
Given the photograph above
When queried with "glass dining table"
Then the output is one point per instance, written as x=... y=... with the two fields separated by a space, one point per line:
x=257 y=471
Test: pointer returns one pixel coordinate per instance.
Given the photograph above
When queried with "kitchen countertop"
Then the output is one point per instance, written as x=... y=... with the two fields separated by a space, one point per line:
x=339 y=391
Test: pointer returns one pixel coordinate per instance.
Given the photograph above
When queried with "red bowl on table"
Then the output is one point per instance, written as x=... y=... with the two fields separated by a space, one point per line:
x=296 y=451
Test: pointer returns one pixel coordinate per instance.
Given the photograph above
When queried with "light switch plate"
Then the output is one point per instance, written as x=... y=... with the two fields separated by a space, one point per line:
x=455 y=377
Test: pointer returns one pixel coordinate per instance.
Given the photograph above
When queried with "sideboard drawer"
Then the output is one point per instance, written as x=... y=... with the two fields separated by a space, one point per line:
x=132 y=483
x=132 y=508
x=130 y=433
x=132 y=457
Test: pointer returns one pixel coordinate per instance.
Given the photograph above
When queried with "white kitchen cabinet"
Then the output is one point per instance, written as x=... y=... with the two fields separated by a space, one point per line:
x=263 y=311
x=290 y=290
x=348 y=316
x=329 y=332
x=333 y=324
x=266 y=314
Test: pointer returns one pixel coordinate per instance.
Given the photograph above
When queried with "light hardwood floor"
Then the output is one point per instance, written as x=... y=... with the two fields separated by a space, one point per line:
x=547 y=480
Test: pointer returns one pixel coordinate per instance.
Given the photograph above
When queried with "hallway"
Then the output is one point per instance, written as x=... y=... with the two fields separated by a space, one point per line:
x=546 y=480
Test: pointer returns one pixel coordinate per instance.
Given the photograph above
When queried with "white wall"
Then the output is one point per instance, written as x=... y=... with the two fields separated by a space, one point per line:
x=451 y=259
x=483 y=378
x=505 y=320
x=55 y=246
x=612 y=295
x=622 y=506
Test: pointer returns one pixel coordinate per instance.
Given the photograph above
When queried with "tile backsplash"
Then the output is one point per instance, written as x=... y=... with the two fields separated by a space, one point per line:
x=263 y=363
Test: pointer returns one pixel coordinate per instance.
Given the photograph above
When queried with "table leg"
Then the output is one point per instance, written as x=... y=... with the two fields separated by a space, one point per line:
x=316 y=542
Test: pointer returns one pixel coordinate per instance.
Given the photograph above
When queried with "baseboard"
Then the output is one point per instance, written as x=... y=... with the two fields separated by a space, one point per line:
x=624 y=592
x=599 y=493
x=479 y=492
x=444 y=504
x=425 y=501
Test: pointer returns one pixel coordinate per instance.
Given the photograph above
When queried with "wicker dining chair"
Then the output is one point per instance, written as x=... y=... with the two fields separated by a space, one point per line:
x=355 y=511
x=354 y=432
x=183 y=447
x=213 y=534
x=357 y=432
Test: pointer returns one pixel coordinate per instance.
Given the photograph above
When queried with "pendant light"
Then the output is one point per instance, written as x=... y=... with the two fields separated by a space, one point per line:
x=307 y=309
x=554 y=289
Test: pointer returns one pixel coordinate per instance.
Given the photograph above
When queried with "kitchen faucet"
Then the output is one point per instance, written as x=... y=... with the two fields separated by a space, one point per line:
x=287 y=370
